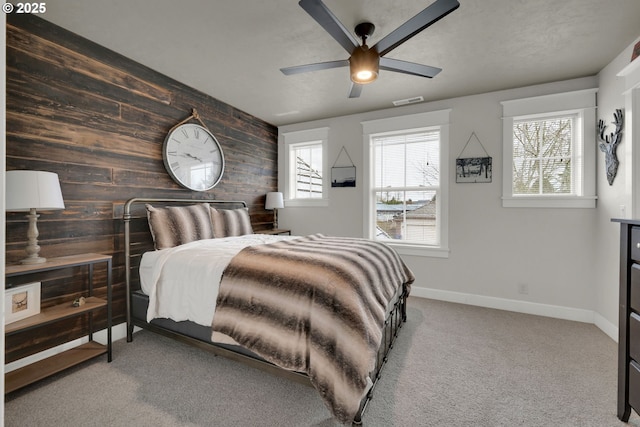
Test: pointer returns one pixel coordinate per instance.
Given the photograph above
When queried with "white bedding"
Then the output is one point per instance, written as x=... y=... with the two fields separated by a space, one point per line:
x=182 y=282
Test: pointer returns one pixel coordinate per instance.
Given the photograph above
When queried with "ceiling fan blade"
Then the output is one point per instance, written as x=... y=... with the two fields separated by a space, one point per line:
x=355 y=90
x=330 y=23
x=433 y=13
x=408 y=67
x=314 y=67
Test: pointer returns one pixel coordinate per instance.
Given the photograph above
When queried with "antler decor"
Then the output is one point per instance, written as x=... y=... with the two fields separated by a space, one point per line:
x=608 y=144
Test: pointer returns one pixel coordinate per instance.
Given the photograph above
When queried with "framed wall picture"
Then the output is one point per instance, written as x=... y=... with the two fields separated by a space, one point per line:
x=21 y=302
x=343 y=176
x=474 y=169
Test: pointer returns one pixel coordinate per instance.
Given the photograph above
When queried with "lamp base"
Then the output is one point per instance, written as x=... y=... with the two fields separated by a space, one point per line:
x=35 y=260
x=32 y=249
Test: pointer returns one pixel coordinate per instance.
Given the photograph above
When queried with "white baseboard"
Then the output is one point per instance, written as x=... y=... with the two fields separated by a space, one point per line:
x=547 y=310
x=605 y=326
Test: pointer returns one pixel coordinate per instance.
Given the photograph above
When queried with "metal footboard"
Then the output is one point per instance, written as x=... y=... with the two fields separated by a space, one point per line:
x=395 y=318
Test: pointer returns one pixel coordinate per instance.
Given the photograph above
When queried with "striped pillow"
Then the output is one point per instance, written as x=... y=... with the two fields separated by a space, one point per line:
x=176 y=225
x=231 y=222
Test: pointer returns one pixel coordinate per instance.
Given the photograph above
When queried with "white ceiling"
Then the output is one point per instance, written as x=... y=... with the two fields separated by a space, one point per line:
x=233 y=49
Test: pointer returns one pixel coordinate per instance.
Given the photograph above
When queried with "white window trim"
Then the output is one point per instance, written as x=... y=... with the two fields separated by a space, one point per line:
x=582 y=102
x=396 y=124
x=298 y=137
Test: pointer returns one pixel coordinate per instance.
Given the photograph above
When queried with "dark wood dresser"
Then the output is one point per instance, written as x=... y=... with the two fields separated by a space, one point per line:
x=629 y=321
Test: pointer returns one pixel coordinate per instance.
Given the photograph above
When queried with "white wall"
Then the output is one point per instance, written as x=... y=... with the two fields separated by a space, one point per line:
x=612 y=197
x=493 y=249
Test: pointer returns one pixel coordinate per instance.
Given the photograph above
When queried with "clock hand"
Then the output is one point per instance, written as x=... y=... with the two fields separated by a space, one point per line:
x=193 y=157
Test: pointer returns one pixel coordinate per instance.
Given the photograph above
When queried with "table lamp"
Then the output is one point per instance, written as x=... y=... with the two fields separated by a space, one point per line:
x=30 y=190
x=274 y=201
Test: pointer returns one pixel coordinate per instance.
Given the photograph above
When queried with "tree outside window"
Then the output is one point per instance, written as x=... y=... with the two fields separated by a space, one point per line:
x=549 y=152
x=542 y=156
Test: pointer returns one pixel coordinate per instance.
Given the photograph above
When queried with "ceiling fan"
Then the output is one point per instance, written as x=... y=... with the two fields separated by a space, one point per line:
x=365 y=61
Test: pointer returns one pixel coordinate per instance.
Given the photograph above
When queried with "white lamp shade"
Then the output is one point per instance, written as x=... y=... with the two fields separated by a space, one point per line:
x=27 y=190
x=274 y=201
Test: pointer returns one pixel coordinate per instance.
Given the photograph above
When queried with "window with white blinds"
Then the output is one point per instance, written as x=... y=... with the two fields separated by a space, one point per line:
x=549 y=152
x=308 y=170
x=546 y=156
x=407 y=184
x=305 y=178
x=406 y=187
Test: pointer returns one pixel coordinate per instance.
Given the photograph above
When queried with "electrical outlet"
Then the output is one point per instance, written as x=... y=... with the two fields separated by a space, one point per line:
x=523 y=288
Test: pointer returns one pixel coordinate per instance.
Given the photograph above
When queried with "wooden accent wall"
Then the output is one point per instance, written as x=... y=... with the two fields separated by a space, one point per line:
x=99 y=120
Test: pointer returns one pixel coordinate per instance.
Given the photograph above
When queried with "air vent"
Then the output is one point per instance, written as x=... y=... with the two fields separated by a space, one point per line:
x=288 y=113
x=408 y=101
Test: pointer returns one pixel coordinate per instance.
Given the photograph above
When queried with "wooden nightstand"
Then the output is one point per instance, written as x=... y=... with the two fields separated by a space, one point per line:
x=16 y=275
x=274 y=231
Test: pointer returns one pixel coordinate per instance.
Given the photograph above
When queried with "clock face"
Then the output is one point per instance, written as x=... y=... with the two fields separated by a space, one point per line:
x=193 y=157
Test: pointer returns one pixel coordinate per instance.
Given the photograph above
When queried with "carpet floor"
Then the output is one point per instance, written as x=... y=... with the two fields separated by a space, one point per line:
x=452 y=365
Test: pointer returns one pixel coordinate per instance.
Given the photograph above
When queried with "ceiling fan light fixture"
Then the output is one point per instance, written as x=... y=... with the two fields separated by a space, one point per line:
x=364 y=65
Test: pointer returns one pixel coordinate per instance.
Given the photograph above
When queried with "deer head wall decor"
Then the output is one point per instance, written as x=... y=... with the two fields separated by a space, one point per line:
x=609 y=144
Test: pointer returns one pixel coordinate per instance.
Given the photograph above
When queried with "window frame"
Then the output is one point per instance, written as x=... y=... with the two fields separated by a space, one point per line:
x=406 y=124
x=296 y=139
x=296 y=183
x=581 y=103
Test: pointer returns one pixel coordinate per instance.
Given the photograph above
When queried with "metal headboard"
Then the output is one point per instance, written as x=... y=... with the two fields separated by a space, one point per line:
x=127 y=216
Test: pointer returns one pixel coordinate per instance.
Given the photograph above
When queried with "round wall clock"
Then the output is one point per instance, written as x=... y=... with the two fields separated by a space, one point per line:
x=193 y=157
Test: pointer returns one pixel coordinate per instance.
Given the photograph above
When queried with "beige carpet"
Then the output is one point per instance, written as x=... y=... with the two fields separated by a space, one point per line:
x=453 y=365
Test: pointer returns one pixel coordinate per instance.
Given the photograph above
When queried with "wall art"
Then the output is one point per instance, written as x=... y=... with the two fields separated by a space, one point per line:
x=609 y=144
x=343 y=176
x=21 y=302
x=474 y=169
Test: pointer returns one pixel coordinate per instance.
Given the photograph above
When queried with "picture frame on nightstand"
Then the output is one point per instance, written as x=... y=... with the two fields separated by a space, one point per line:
x=21 y=302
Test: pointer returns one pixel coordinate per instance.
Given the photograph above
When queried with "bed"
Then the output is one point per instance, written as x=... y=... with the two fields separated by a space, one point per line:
x=321 y=310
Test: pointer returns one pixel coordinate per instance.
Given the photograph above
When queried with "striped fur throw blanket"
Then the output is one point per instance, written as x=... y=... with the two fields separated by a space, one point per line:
x=313 y=304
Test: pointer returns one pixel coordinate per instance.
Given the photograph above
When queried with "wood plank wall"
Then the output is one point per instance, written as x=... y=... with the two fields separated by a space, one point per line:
x=99 y=120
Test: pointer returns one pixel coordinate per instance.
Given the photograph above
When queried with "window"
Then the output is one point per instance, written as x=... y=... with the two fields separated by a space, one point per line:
x=543 y=155
x=305 y=160
x=407 y=177
x=549 y=153
x=308 y=170
x=406 y=199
